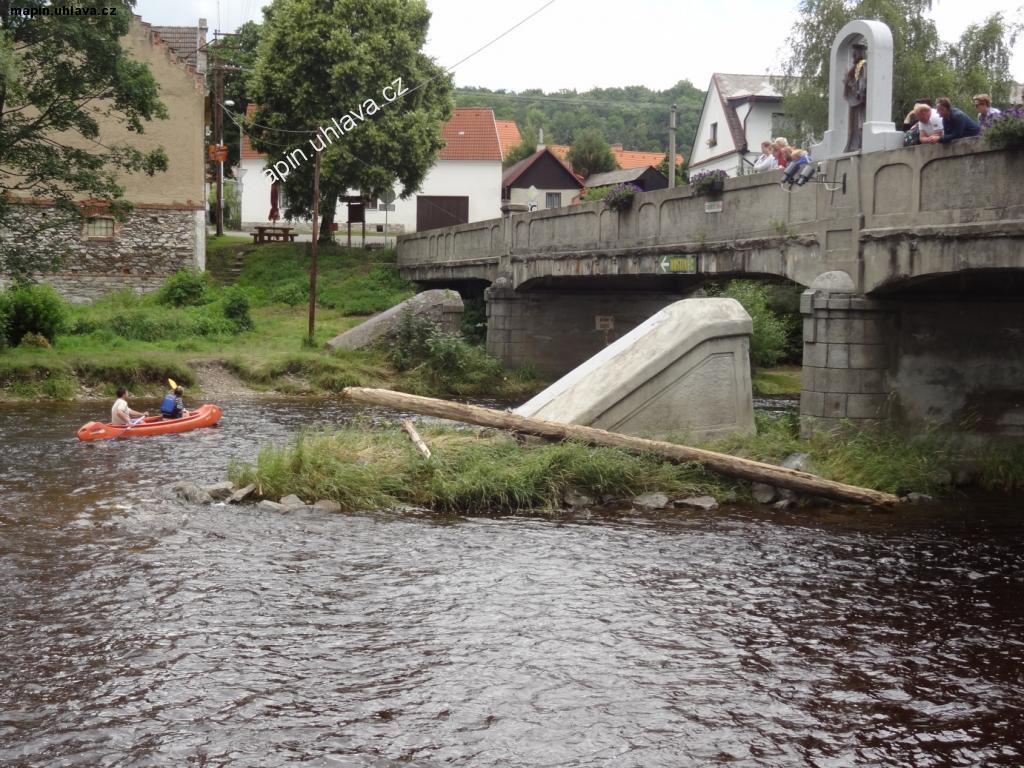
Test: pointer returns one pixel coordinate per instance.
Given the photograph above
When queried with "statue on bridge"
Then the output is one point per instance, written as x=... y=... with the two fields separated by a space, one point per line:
x=855 y=91
x=859 y=96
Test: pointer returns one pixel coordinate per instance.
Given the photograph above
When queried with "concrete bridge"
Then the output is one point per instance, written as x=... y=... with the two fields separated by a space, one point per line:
x=914 y=278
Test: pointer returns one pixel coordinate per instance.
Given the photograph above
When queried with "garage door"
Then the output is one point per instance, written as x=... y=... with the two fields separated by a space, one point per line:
x=433 y=211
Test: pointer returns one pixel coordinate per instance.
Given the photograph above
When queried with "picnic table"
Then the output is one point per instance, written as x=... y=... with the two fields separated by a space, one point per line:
x=273 y=234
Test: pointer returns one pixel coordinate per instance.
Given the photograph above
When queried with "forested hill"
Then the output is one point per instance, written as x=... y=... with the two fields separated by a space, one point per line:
x=635 y=116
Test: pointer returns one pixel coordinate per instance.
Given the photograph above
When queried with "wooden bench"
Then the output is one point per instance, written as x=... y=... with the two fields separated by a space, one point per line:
x=273 y=235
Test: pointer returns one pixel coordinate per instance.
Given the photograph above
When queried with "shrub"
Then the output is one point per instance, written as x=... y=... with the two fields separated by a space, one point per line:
x=184 y=289
x=291 y=293
x=770 y=338
x=1007 y=129
x=34 y=341
x=35 y=309
x=620 y=197
x=707 y=181
x=5 y=318
x=410 y=342
x=236 y=308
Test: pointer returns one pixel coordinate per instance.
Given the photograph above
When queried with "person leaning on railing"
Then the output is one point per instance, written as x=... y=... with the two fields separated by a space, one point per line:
x=955 y=122
x=986 y=112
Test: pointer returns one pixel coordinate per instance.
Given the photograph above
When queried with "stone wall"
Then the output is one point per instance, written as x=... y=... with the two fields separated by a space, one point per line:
x=152 y=244
x=554 y=333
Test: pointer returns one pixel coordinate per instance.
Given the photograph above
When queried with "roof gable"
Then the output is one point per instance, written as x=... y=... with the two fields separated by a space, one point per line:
x=471 y=134
x=521 y=170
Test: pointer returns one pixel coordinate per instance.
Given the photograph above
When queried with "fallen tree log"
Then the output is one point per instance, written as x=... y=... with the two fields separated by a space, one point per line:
x=723 y=464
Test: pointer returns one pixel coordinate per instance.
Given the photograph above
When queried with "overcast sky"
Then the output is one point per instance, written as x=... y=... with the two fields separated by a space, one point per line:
x=585 y=43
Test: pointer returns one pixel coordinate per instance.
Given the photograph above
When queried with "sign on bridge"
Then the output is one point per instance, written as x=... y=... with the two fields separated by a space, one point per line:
x=686 y=265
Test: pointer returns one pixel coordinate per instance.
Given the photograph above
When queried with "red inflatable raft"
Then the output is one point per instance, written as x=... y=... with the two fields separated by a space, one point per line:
x=204 y=416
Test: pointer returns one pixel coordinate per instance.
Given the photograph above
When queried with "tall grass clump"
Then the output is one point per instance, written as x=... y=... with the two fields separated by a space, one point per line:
x=377 y=468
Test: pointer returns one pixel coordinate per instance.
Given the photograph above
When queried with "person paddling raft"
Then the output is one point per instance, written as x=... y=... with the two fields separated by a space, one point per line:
x=121 y=414
x=173 y=407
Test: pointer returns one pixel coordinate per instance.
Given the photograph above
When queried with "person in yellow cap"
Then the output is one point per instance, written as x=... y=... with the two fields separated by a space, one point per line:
x=173 y=406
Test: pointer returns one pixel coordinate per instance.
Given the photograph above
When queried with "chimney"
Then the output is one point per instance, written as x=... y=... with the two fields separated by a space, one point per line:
x=540 y=139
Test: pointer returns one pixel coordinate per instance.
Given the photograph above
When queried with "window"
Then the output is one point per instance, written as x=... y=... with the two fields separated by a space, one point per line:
x=713 y=135
x=553 y=200
x=99 y=226
x=376 y=205
x=780 y=126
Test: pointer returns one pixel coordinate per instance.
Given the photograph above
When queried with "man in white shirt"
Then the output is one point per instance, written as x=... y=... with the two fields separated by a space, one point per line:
x=929 y=124
x=121 y=415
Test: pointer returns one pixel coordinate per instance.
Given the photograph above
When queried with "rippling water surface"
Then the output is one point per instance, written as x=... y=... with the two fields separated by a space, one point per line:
x=139 y=631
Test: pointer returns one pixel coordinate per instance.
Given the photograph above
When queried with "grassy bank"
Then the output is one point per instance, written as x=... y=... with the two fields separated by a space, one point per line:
x=140 y=341
x=373 y=468
x=482 y=471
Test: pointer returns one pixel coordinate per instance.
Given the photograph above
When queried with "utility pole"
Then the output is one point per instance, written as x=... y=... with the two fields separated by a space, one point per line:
x=218 y=125
x=672 y=147
x=316 y=236
x=218 y=129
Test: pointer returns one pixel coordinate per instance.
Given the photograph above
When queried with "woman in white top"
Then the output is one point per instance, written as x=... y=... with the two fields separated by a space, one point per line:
x=767 y=161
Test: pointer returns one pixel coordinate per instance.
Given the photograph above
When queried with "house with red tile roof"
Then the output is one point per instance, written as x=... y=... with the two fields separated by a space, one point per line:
x=464 y=184
x=626 y=158
x=740 y=111
x=508 y=135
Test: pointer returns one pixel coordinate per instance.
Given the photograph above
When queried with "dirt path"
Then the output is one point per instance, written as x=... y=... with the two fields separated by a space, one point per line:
x=216 y=381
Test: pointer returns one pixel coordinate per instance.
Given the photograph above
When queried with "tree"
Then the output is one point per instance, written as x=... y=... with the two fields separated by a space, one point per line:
x=591 y=154
x=522 y=150
x=981 y=59
x=680 y=176
x=360 y=63
x=924 y=66
x=57 y=75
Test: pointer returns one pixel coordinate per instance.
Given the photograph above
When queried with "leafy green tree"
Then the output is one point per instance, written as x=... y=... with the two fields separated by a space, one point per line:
x=57 y=73
x=924 y=66
x=981 y=59
x=521 y=151
x=591 y=154
x=680 y=168
x=320 y=60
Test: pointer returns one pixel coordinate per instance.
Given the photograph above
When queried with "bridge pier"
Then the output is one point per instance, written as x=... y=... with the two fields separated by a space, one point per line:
x=555 y=332
x=848 y=351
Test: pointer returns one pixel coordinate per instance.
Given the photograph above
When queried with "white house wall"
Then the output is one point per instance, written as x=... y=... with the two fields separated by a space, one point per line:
x=479 y=180
x=520 y=196
x=255 y=193
x=713 y=113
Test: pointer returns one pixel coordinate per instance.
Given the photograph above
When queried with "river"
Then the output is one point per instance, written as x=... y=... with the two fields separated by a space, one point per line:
x=140 y=631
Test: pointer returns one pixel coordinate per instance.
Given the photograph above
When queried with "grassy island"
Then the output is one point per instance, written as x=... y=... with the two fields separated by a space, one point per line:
x=472 y=470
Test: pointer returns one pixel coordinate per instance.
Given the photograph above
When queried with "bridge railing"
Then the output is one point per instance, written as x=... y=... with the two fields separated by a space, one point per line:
x=899 y=190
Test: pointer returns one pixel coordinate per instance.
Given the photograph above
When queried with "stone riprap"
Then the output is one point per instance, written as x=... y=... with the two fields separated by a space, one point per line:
x=684 y=371
x=444 y=307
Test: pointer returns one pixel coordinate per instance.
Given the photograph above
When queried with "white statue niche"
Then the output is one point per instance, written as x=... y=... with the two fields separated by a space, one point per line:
x=860 y=93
